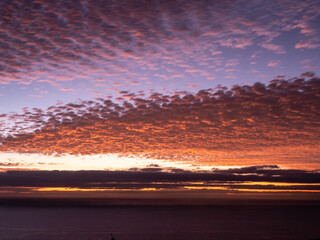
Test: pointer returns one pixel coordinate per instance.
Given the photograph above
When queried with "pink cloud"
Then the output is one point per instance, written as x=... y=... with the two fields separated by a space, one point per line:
x=309 y=67
x=310 y=44
x=66 y=89
x=232 y=62
x=273 y=47
x=236 y=42
x=273 y=63
x=51 y=82
x=177 y=76
x=263 y=76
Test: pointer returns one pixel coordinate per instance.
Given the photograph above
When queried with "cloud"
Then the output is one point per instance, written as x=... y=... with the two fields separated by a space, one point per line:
x=236 y=42
x=273 y=47
x=278 y=122
x=232 y=62
x=310 y=67
x=311 y=44
x=66 y=89
x=307 y=75
x=258 y=178
x=273 y=63
x=102 y=38
x=9 y=164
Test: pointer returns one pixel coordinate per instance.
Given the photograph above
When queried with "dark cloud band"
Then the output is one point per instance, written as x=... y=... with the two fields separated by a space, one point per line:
x=147 y=179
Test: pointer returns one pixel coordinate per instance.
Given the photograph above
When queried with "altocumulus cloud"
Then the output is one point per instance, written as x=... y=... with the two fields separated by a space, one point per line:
x=75 y=38
x=281 y=117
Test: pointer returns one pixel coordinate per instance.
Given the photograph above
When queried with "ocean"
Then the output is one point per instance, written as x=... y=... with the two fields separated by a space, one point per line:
x=165 y=222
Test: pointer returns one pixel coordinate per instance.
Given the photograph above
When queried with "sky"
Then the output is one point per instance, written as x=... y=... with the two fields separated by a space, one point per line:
x=212 y=99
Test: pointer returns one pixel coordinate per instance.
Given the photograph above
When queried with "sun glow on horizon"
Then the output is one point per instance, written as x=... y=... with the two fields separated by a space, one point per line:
x=113 y=162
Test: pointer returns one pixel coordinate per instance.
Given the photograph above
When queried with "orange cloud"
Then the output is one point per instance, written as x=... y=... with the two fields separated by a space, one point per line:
x=277 y=123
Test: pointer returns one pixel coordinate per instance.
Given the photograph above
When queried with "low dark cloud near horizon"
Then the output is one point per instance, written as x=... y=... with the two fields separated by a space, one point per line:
x=163 y=179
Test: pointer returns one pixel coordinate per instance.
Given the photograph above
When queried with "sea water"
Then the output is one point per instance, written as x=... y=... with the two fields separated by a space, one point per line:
x=155 y=223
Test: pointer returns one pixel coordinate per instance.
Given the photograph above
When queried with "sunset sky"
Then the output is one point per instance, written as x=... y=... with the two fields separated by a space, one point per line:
x=156 y=99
